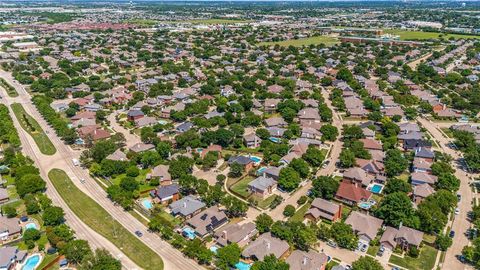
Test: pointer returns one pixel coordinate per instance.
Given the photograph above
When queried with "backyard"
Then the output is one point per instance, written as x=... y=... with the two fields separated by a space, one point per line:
x=241 y=186
x=31 y=126
x=92 y=214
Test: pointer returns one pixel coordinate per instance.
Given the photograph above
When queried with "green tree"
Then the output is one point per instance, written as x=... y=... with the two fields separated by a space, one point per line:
x=228 y=256
x=76 y=250
x=347 y=158
x=289 y=210
x=443 y=242
x=395 y=209
x=300 y=166
x=29 y=183
x=448 y=181
x=236 y=170
x=397 y=185
x=263 y=222
x=53 y=216
x=395 y=162
x=314 y=156
x=9 y=211
x=270 y=263
x=288 y=179
x=324 y=187
x=329 y=132
x=366 y=263
x=101 y=259
x=344 y=235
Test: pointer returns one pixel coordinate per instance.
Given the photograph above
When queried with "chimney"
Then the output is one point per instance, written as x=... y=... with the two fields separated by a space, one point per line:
x=304 y=262
x=268 y=245
x=184 y=204
x=224 y=234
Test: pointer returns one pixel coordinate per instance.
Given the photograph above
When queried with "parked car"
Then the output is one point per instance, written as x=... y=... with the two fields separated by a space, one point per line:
x=332 y=244
x=457 y=211
x=459 y=197
x=139 y=233
x=451 y=234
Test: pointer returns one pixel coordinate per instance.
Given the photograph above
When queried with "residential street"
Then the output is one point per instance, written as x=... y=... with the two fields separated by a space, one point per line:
x=131 y=139
x=173 y=259
x=460 y=223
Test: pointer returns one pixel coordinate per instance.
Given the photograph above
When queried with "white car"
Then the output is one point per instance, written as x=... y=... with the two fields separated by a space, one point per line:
x=457 y=211
x=82 y=180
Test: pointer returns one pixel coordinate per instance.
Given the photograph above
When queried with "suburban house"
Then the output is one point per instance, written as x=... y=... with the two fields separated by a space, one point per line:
x=262 y=186
x=421 y=165
x=321 y=208
x=265 y=245
x=311 y=260
x=422 y=191
x=357 y=175
x=9 y=228
x=350 y=193
x=165 y=194
x=419 y=178
x=272 y=172
x=207 y=221
x=142 y=147
x=252 y=140
x=236 y=233
x=365 y=226
x=10 y=257
x=425 y=153
x=245 y=161
x=118 y=155
x=4 y=197
x=186 y=207
x=161 y=173
x=404 y=237
x=133 y=115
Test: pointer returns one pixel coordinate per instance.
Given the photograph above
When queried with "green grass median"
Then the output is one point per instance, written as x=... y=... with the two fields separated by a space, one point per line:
x=30 y=125
x=92 y=214
x=10 y=89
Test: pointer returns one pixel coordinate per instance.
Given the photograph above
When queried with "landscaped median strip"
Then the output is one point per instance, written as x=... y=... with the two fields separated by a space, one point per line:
x=30 y=125
x=92 y=214
x=10 y=89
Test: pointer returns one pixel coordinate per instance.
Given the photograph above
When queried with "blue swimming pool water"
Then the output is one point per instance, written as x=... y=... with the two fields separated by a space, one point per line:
x=261 y=170
x=255 y=159
x=214 y=249
x=31 y=225
x=365 y=205
x=243 y=266
x=376 y=188
x=147 y=204
x=275 y=140
x=188 y=232
x=31 y=262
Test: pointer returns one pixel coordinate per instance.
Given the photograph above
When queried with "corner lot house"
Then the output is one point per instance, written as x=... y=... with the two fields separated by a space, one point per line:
x=165 y=194
x=301 y=260
x=325 y=209
x=365 y=226
x=207 y=221
x=265 y=245
x=236 y=233
x=186 y=207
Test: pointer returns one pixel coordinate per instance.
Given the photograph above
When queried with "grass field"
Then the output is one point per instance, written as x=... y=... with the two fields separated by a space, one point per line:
x=103 y=223
x=425 y=260
x=328 y=41
x=421 y=35
x=31 y=126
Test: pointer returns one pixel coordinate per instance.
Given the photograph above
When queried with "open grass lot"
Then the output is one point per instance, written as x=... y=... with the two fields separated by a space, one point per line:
x=265 y=203
x=425 y=260
x=241 y=187
x=421 y=35
x=33 y=128
x=100 y=220
x=328 y=41
x=300 y=213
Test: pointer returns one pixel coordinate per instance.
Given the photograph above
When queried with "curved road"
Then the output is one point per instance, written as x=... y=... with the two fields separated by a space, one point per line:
x=172 y=258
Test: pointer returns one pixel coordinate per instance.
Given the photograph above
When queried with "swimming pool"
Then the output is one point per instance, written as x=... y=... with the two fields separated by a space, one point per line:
x=214 y=249
x=189 y=233
x=376 y=188
x=365 y=205
x=255 y=159
x=147 y=203
x=275 y=140
x=261 y=170
x=243 y=266
x=31 y=225
x=32 y=262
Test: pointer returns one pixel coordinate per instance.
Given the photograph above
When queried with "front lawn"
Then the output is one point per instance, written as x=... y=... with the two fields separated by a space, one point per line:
x=425 y=261
x=92 y=214
x=265 y=203
x=30 y=125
